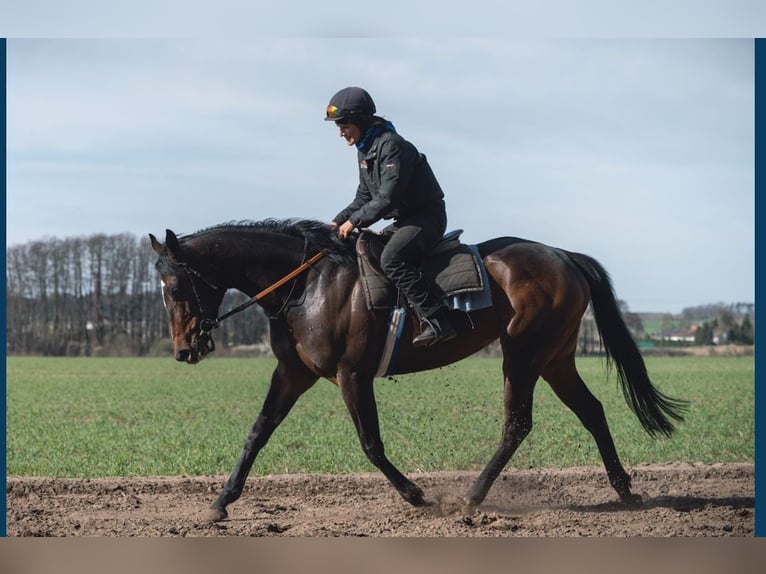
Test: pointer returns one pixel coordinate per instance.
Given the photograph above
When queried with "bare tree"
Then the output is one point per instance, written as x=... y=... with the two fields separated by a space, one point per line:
x=97 y=294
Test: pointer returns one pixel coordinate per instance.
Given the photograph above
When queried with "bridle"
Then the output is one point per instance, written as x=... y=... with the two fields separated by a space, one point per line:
x=208 y=325
x=205 y=338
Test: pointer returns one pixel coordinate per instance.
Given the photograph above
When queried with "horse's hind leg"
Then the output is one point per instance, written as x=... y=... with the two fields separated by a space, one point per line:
x=359 y=396
x=566 y=382
x=288 y=382
x=520 y=377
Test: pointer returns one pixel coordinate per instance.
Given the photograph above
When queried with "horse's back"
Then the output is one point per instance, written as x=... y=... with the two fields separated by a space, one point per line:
x=530 y=260
x=492 y=245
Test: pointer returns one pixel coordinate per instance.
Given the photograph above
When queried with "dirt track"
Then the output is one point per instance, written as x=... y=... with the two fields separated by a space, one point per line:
x=679 y=500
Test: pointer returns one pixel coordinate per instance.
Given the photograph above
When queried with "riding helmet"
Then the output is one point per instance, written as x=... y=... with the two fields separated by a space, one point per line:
x=348 y=103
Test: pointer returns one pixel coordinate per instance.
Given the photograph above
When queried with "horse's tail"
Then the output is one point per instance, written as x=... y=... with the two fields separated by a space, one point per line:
x=653 y=408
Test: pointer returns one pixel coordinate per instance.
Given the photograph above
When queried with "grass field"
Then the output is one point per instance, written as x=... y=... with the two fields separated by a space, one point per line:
x=119 y=417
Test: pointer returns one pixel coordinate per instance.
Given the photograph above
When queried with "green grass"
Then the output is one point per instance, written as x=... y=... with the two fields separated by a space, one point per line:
x=143 y=417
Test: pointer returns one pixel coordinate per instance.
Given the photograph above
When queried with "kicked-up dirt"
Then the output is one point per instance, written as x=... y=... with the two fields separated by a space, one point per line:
x=686 y=500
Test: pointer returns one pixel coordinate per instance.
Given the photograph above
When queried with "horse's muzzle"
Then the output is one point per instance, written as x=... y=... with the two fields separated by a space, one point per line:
x=187 y=356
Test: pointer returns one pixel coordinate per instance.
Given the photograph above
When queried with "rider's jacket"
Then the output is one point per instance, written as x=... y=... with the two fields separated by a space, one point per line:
x=395 y=182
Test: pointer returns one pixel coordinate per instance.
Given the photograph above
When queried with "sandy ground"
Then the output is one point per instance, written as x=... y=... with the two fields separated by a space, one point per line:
x=687 y=500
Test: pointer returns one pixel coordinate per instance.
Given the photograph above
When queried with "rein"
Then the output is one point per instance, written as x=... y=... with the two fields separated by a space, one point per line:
x=207 y=325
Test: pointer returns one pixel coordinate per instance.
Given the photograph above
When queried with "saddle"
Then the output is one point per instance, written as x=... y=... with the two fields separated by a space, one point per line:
x=455 y=268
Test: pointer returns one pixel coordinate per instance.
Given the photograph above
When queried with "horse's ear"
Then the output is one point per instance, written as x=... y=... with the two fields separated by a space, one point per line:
x=171 y=242
x=156 y=245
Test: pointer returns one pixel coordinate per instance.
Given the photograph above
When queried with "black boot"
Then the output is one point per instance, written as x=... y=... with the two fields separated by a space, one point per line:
x=438 y=328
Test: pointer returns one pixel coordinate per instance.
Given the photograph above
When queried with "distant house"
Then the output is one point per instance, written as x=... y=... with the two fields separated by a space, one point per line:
x=685 y=334
x=689 y=334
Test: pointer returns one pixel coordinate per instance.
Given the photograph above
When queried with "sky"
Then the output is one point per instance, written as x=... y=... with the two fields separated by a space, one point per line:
x=638 y=152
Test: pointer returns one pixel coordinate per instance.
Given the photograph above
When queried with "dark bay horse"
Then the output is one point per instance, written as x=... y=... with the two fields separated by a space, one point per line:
x=320 y=326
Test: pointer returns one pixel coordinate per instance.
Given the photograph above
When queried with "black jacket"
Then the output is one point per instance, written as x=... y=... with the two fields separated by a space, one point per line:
x=395 y=181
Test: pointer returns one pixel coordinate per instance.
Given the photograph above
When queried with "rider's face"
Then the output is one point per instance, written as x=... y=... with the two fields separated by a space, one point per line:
x=350 y=132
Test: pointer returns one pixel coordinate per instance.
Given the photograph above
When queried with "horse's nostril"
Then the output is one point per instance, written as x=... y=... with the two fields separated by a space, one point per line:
x=183 y=355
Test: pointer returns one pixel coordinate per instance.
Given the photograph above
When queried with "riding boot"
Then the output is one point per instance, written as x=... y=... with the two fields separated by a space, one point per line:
x=437 y=328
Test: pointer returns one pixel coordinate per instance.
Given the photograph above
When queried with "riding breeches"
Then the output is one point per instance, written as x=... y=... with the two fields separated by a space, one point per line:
x=413 y=237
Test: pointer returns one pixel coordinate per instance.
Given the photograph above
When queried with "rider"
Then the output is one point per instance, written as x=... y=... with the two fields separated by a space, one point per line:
x=395 y=182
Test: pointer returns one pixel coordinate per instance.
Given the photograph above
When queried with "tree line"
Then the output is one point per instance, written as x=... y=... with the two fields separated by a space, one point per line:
x=98 y=295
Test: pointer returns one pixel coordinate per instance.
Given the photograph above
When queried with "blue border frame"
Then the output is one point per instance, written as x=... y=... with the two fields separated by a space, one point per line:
x=3 y=395
x=760 y=188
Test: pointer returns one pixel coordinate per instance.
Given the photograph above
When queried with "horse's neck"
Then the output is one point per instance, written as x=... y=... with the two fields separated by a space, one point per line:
x=247 y=263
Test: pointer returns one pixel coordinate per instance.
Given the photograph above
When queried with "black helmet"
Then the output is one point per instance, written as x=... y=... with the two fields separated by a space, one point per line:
x=349 y=102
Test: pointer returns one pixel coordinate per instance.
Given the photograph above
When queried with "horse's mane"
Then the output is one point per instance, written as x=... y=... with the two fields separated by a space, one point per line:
x=318 y=234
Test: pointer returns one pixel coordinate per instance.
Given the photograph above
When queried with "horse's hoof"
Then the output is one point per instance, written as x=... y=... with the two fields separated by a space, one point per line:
x=416 y=498
x=214 y=514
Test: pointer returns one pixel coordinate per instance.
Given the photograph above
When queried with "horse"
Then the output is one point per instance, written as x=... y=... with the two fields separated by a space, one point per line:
x=308 y=283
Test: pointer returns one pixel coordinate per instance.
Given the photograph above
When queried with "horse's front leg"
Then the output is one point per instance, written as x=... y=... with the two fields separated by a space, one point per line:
x=359 y=397
x=288 y=382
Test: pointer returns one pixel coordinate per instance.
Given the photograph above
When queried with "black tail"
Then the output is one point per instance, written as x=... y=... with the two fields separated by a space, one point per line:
x=652 y=407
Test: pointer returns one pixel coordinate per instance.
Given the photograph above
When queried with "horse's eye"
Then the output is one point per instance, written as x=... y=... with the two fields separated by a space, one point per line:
x=174 y=293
